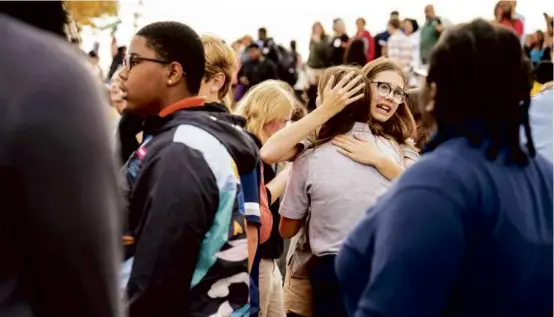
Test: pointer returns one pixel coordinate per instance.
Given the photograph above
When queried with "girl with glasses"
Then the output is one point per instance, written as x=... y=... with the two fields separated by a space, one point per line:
x=331 y=190
x=390 y=149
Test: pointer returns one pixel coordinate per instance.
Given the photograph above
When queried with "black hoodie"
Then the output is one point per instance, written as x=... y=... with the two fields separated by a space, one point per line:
x=186 y=229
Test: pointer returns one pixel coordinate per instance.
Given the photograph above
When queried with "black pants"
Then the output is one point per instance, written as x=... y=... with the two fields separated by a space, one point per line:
x=327 y=295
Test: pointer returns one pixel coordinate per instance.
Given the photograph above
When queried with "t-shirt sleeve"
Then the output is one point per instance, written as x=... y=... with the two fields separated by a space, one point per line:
x=250 y=184
x=302 y=146
x=409 y=151
x=295 y=201
x=412 y=272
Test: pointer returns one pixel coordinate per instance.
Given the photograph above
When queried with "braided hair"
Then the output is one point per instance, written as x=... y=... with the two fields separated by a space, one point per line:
x=483 y=85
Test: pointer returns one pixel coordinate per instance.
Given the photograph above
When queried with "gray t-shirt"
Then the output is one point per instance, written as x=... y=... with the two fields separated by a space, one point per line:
x=336 y=190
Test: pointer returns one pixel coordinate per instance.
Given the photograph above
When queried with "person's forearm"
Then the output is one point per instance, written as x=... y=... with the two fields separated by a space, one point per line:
x=388 y=168
x=282 y=145
x=277 y=186
x=288 y=228
x=252 y=236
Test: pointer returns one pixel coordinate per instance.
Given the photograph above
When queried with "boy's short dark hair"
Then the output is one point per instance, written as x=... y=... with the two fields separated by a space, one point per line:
x=177 y=42
x=252 y=46
x=92 y=54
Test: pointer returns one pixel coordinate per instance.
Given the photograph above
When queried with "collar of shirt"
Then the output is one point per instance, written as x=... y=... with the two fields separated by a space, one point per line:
x=182 y=104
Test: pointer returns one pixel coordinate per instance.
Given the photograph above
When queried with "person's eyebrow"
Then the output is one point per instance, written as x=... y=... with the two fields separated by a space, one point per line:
x=394 y=87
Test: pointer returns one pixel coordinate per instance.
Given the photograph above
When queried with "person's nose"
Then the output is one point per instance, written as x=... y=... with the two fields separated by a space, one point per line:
x=123 y=73
x=390 y=96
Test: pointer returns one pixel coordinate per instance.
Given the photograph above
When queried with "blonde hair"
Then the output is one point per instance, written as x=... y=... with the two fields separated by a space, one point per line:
x=264 y=103
x=220 y=58
x=299 y=110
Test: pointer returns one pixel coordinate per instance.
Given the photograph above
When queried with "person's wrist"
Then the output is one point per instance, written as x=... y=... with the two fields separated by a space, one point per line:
x=326 y=110
x=378 y=161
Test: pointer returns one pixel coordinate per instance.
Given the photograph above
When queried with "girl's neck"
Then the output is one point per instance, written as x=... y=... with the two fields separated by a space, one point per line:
x=213 y=98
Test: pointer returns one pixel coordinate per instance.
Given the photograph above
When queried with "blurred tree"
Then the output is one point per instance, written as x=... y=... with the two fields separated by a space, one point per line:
x=84 y=12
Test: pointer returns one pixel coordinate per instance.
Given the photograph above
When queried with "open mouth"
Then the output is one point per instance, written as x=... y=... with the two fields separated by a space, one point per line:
x=384 y=107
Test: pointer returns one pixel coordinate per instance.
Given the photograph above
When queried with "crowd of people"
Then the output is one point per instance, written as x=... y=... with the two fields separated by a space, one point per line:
x=402 y=189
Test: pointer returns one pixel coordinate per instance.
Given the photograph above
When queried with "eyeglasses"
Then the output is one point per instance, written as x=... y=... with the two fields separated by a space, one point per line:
x=131 y=61
x=384 y=89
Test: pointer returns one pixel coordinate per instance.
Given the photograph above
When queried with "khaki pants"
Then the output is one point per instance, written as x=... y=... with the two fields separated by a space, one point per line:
x=298 y=295
x=271 y=289
x=298 y=289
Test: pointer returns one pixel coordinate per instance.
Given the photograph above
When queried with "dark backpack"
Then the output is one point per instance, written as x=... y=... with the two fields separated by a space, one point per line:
x=285 y=61
x=286 y=67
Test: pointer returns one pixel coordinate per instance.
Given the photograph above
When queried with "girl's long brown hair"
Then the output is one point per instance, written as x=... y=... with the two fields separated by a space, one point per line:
x=343 y=121
x=401 y=126
x=423 y=130
x=318 y=24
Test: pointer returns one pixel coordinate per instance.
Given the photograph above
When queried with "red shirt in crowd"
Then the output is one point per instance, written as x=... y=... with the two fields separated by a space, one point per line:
x=515 y=25
x=370 y=46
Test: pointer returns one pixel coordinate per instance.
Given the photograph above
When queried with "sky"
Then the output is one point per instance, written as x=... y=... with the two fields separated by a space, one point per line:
x=288 y=20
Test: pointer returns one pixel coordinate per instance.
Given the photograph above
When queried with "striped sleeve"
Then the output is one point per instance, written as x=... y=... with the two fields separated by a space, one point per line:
x=251 y=190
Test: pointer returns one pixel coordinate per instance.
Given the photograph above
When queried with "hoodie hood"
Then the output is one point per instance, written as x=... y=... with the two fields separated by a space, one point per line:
x=221 y=112
x=221 y=125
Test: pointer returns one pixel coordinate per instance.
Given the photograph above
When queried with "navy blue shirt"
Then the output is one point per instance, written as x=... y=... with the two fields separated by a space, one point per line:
x=457 y=235
x=380 y=41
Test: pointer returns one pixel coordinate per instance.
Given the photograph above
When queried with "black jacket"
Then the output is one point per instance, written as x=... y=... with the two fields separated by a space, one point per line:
x=258 y=71
x=273 y=247
x=184 y=215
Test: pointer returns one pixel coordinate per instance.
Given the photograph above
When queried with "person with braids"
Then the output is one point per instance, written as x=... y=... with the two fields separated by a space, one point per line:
x=467 y=230
x=186 y=249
